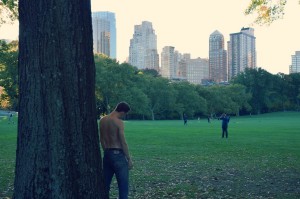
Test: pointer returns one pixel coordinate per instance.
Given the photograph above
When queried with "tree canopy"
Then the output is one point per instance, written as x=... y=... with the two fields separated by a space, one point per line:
x=154 y=97
x=9 y=74
x=267 y=11
x=8 y=11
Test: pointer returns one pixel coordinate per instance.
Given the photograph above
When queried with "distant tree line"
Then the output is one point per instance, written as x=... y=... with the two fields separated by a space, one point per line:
x=153 y=97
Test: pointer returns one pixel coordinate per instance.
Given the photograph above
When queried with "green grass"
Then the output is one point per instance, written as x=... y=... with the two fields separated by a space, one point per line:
x=260 y=159
x=8 y=136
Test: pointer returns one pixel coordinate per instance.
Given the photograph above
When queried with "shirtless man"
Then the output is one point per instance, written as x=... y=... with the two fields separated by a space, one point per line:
x=116 y=158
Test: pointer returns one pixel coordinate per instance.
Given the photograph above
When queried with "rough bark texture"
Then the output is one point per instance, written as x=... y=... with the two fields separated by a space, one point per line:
x=58 y=154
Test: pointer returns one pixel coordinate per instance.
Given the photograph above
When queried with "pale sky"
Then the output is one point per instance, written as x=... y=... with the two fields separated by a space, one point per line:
x=187 y=25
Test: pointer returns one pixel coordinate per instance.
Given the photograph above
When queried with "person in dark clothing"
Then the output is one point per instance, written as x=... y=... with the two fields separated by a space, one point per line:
x=225 y=120
x=10 y=119
x=208 y=119
x=184 y=119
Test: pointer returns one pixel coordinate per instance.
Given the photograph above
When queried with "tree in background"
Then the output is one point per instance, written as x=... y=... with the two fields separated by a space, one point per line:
x=293 y=81
x=267 y=11
x=106 y=82
x=9 y=75
x=161 y=96
x=279 y=100
x=58 y=152
x=270 y=92
x=238 y=99
x=8 y=11
x=214 y=100
x=188 y=101
x=119 y=82
x=258 y=82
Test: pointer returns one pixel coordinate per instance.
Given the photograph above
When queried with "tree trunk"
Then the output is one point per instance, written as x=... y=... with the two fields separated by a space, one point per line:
x=58 y=153
x=152 y=114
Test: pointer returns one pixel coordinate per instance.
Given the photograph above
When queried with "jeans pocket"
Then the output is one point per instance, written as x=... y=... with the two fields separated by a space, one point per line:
x=120 y=161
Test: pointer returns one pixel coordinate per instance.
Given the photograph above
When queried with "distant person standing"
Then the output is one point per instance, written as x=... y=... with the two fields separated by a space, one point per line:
x=225 y=120
x=116 y=160
x=184 y=119
x=208 y=119
x=10 y=118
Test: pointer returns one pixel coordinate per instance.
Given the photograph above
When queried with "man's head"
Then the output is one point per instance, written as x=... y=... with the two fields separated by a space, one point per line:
x=122 y=107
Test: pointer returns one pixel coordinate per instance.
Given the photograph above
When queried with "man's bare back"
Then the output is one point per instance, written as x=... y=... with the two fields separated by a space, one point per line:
x=109 y=132
x=112 y=133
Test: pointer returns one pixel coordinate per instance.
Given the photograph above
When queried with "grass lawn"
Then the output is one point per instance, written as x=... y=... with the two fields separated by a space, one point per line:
x=260 y=159
x=8 y=139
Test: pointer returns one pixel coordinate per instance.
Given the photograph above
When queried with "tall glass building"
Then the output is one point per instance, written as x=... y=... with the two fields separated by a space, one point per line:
x=241 y=51
x=143 y=47
x=295 y=67
x=104 y=33
x=217 y=58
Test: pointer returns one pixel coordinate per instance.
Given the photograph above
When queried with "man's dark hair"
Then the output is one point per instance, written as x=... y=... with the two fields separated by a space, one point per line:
x=123 y=107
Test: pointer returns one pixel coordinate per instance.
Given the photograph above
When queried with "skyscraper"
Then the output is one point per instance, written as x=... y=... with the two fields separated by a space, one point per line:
x=143 y=47
x=241 y=52
x=217 y=58
x=104 y=33
x=167 y=58
x=295 y=67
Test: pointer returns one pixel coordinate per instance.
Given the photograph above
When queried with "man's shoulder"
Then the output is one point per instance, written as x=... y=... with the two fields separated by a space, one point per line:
x=111 y=118
x=103 y=118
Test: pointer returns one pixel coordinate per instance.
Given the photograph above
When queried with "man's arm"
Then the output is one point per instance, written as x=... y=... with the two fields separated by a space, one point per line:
x=124 y=143
x=101 y=136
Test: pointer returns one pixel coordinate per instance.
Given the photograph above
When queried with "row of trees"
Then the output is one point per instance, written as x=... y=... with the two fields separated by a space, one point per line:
x=269 y=92
x=153 y=97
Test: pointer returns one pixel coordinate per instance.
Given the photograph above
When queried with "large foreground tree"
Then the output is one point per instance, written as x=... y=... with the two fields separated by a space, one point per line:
x=58 y=154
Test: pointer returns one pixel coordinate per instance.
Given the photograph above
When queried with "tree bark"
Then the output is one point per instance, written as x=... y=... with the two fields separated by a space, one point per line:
x=58 y=153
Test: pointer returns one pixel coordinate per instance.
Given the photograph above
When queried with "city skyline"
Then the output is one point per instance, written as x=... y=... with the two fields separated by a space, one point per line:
x=187 y=25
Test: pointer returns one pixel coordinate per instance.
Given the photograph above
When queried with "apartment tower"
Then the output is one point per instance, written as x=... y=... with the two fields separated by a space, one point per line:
x=143 y=47
x=197 y=70
x=241 y=52
x=168 y=62
x=217 y=58
x=295 y=67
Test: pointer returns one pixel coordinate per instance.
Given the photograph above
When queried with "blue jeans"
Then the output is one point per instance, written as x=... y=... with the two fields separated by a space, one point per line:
x=114 y=162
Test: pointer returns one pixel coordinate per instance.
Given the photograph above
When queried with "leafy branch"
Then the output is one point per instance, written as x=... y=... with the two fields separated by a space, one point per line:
x=8 y=11
x=267 y=11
